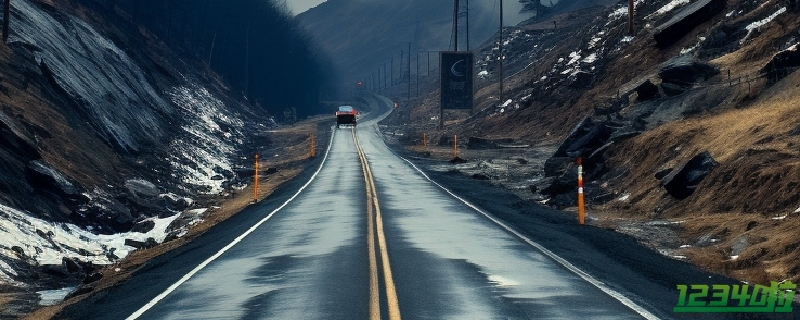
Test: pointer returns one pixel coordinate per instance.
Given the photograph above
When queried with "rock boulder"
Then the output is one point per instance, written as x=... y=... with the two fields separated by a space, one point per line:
x=782 y=63
x=646 y=91
x=685 y=20
x=681 y=184
x=685 y=71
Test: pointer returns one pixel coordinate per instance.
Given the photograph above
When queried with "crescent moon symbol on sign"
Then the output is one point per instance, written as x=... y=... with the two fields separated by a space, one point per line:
x=456 y=72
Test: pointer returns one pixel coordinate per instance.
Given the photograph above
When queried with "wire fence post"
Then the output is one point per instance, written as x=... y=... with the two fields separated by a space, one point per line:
x=730 y=82
x=747 y=78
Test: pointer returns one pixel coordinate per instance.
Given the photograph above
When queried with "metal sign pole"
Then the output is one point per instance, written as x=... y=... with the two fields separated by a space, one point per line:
x=501 y=51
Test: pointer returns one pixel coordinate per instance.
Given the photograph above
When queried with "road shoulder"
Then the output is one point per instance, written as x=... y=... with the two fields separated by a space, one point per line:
x=292 y=162
x=618 y=260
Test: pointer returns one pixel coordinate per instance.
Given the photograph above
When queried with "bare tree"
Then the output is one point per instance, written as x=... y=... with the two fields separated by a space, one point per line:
x=630 y=16
x=6 y=17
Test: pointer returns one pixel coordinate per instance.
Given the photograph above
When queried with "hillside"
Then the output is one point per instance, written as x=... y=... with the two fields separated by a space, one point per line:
x=115 y=123
x=697 y=132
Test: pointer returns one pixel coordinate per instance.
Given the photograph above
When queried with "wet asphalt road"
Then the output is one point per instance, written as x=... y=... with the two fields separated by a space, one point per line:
x=309 y=260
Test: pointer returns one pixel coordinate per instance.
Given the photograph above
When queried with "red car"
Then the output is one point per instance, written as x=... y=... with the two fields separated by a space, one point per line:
x=346 y=115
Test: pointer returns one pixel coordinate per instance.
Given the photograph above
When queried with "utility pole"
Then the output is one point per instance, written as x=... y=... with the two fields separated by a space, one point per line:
x=417 y=74
x=467 y=24
x=630 y=16
x=400 y=68
x=247 y=62
x=6 y=18
x=210 y=52
x=501 y=51
x=409 y=72
x=391 y=75
x=384 y=76
x=455 y=26
x=428 y=74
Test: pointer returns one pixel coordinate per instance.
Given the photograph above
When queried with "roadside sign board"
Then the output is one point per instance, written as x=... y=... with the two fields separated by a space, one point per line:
x=456 y=79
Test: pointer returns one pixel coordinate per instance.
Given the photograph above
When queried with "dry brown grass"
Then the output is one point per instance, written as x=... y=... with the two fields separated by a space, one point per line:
x=772 y=255
x=756 y=180
x=751 y=145
x=4 y=298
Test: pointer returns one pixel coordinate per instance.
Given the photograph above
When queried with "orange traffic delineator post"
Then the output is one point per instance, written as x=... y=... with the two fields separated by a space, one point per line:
x=424 y=140
x=255 y=182
x=455 y=146
x=313 y=147
x=580 y=192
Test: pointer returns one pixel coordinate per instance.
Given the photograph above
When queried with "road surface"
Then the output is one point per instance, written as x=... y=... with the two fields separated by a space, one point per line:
x=364 y=236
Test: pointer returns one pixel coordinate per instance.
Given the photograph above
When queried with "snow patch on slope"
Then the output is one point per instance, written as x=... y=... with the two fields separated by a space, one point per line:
x=622 y=11
x=671 y=6
x=47 y=243
x=212 y=136
x=758 y=24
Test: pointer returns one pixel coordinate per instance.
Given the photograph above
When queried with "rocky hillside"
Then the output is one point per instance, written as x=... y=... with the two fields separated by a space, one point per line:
x=692 y=118
x=113 y=125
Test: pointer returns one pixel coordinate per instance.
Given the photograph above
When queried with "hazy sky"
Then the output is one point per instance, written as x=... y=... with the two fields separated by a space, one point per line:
x=511 y=7
x=299 y=6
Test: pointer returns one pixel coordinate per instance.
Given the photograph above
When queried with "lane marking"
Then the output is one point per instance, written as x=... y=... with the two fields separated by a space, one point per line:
x=374 y=294
x=585 y=276
x=238 y=239
x=392 y=300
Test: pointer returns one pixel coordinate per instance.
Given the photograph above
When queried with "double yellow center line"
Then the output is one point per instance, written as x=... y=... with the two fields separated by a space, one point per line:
x=375 y=228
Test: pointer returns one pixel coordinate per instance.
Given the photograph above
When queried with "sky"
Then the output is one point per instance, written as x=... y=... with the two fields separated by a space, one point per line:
x=513 y=6
x=300 y=6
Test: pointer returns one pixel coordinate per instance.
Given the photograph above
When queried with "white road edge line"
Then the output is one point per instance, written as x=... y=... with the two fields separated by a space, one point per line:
x=238 y=239
x=589 y=278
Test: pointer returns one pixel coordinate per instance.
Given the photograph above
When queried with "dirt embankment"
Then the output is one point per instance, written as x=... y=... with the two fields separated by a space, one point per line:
x=747 y=204
x=741 y=220
x=290 y=155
